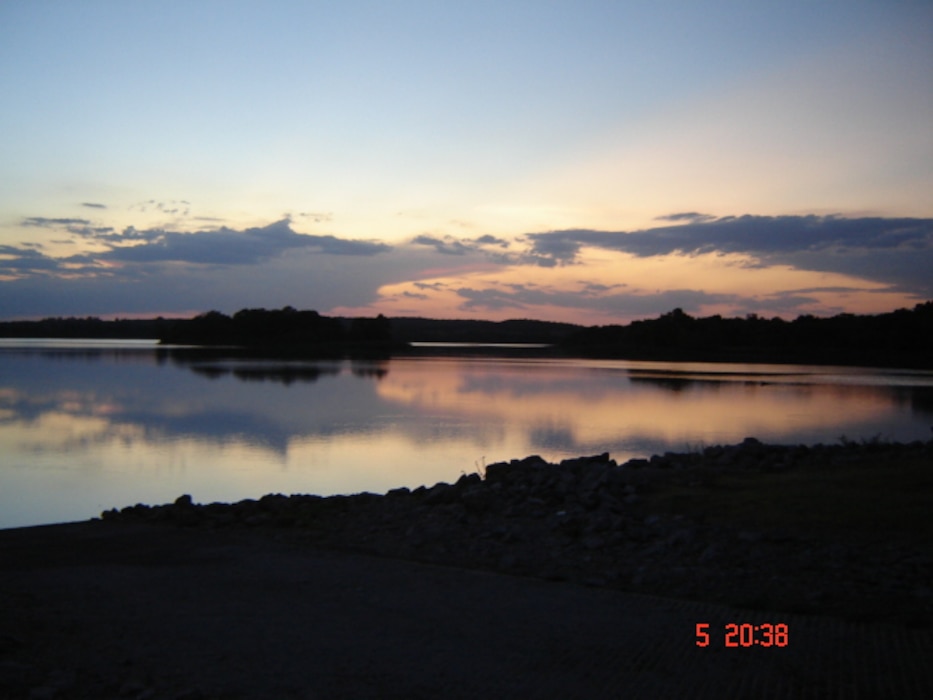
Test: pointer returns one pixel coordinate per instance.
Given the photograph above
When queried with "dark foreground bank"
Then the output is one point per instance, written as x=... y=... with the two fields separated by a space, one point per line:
x=342 y=597
x=840 y=529
x=143 y=611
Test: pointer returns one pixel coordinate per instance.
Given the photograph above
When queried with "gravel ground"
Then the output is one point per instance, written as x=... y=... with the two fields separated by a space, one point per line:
x=100 y=610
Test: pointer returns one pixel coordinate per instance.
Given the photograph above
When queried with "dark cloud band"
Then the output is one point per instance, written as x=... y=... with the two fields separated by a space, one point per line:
x=895 y=251
x=222 y=246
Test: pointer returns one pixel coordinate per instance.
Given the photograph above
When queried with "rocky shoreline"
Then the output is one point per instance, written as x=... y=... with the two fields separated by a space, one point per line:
x=641 y=526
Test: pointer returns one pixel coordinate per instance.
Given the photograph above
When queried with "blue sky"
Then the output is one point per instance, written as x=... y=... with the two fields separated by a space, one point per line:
x=431 y=158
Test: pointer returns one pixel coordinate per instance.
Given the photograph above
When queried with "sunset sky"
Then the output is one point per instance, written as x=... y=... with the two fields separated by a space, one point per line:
x=586 y=161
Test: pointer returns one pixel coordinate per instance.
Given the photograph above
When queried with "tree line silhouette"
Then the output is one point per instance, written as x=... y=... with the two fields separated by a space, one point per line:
x=902 y=338
x=899 y=338
x=87 y=327
x=283 y=328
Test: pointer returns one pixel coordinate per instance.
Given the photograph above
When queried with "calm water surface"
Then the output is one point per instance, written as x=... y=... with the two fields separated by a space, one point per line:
x=86 y=426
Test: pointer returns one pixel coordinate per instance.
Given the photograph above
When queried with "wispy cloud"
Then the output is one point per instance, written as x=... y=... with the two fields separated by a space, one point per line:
x=692 y=217
x=490 y=299
x=171 y=207
x=46 y=222
x=447 y=245
x=433 y=286
x=317 y=217
x=492 y=249
x=488 y=239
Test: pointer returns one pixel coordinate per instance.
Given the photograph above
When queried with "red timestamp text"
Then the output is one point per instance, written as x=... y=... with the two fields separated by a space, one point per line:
x=746 y=635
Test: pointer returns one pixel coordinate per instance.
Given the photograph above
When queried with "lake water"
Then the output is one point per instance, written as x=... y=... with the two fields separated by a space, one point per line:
x=90 y=425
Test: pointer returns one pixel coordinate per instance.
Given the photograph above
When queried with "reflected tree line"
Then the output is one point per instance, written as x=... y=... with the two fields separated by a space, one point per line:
x=284 y=373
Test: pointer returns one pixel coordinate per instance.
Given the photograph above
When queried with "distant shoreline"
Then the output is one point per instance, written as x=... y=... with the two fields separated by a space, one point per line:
x=854 y=358
x=901 y=339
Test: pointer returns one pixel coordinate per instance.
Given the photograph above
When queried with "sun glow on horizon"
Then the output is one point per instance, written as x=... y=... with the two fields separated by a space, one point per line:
x=608 y=287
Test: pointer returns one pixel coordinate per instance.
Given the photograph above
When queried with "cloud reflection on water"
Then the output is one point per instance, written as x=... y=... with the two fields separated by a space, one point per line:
x=113 y=431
